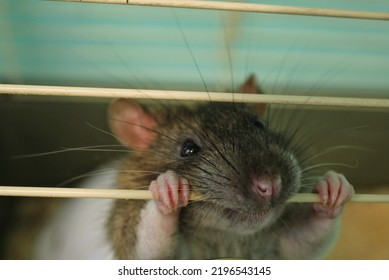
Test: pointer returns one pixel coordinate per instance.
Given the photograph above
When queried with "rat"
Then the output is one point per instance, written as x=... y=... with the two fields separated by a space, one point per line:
x=224 y=152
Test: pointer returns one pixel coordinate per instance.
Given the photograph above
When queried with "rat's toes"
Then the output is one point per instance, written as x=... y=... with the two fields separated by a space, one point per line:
x=170 y=191
x=334 y=190
x=346 y=191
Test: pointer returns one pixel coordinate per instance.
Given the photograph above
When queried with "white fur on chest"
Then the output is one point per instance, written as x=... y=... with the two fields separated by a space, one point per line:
x=78 y=229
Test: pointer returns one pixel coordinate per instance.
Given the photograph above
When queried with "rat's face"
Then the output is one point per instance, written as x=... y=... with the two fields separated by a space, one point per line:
x=245 y=172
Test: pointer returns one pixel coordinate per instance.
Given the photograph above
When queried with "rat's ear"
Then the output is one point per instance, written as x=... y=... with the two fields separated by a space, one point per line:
x=132 y=123
x=251 y=86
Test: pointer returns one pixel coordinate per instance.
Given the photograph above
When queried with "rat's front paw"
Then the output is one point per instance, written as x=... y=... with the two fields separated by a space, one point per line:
x=334 y=190
x=170 y=191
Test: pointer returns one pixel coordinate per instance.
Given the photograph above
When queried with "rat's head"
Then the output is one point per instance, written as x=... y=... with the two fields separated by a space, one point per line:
x=244 y=171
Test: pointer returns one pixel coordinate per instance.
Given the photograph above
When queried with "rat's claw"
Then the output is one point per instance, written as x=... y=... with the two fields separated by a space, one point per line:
x=168 y=182
x=345 y=192
x=321 y=188
x=334 y=185
x=184 y=191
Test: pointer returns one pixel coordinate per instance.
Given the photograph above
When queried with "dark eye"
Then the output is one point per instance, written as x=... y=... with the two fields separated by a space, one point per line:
x=260 y=124
x=189 y=148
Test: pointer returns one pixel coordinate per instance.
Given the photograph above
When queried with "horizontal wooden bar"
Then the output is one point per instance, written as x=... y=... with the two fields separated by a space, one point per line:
x=247 y=7
x=192 y=95
x=146 y=195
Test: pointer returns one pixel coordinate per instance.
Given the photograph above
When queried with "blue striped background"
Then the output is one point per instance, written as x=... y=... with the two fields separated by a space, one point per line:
x=59 y=43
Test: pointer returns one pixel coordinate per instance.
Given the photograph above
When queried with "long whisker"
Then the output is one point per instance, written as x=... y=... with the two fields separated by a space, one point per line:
x=146 y=128
x=143 y=85
x=66 y=150
x=227 y=45
x=191 y=54
x=334 y=149
x=105 y=171
x=331 y=164
x=103 y=131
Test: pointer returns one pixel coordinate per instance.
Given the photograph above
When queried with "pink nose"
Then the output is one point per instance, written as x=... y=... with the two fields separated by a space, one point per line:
x=266 y=187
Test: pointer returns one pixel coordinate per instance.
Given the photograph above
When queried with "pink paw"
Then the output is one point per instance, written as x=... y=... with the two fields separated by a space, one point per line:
x=334 y=190
x=170 y=192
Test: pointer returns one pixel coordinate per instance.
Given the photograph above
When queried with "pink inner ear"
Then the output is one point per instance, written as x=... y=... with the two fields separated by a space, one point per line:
x=132 y=123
